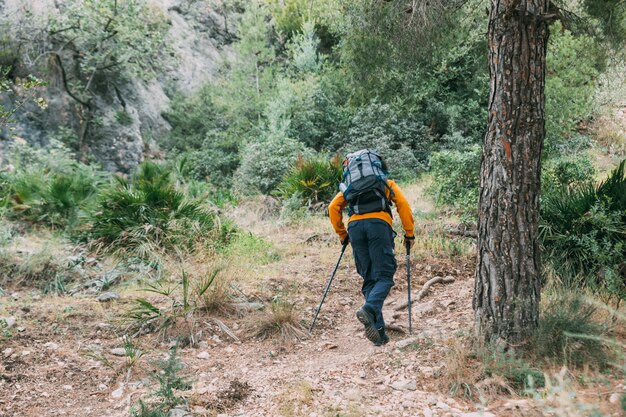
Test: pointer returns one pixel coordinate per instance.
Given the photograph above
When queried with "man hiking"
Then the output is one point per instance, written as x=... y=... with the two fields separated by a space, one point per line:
x=369 y=194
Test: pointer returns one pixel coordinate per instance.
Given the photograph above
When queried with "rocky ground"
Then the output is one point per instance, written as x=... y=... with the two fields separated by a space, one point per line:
x=63 y=356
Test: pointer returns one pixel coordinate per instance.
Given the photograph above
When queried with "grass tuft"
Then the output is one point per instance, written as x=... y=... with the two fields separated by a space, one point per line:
x=280 y=321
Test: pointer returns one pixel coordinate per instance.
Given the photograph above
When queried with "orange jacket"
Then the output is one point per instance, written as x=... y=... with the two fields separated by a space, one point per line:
x=402 y=207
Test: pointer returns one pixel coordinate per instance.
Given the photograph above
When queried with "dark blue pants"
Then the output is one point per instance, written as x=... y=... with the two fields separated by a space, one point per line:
x=373 y=249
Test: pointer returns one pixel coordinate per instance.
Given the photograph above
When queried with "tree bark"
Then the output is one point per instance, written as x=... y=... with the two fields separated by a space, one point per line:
x=506 y=297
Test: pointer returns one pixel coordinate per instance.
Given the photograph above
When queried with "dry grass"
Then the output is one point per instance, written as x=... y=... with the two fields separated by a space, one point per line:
x=280 y=321
x=462 y=371
x=295 y=397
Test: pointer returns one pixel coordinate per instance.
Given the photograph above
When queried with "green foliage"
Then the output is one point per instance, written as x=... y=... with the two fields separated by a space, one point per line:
x=583 y=231
x=312 y=180
x=456 y=178
x=566 y=171
x=255 y=250
x=265 y=162
x=28 y=85
x=148 y=214
x=565 y=313
x=111 y=37
x=123 y=118
x=515 y=370
x=573 y=64
x=48 y=187
x=168 y=379
x=402 y=142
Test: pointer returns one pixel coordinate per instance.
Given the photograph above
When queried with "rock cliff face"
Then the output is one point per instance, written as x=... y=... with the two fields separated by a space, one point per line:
x=125 y=122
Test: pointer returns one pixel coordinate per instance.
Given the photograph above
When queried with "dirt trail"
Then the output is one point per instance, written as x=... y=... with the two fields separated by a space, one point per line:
x=59 y=362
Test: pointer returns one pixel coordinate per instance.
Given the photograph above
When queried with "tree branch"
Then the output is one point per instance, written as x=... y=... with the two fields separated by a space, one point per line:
x=64 y=79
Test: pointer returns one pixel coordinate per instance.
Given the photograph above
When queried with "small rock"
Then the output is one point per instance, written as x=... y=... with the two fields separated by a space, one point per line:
x=108 y=296
x=229 y=349
x=7 y=322
x=26 y=352
x=248 y=306
x=362 y=374
x=67 y=387
x=118 y=393
x=203 y=355
x=7 y=352
x=15 y=295
x=179 y=412
x=51 y=346
x=432 y=399
x=615 y=398
x=118 y=352
x=203 y=345
x=404 y=385
x=427 y=371
x=401 y=344
x=442 y=405
x=427 y=412
x=21 y=329
x=102 y=387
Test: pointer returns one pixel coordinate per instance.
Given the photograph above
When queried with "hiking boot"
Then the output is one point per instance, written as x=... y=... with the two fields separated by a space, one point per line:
x=369 y=321
x=384 y=339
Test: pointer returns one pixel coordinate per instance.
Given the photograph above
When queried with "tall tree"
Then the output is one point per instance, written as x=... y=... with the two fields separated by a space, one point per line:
x=506 y=298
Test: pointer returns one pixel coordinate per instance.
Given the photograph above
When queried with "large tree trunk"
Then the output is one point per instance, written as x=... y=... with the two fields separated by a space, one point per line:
x=506 y=298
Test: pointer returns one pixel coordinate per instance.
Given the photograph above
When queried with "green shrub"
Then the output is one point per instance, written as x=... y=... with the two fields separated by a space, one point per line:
x=312 y=180
x=404 y=143
x=456 y=178
x=573 y=64
x=567 y=171
x=52 y=198
x=148 y=214
x=265 y=162
x=583 y=231
x=168 y=378
x=568 y=313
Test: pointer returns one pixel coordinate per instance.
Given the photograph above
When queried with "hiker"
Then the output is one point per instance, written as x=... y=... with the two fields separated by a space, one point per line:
x=369 y=194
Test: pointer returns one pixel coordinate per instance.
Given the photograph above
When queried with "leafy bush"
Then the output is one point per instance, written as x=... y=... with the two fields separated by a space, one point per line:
x=568 y=313
x=583 y=231
x=456 y=178
x=567 y=171
x=312 y=180
x=264 y=163
x=148 y=214
x=404 y=143
x=573 y=64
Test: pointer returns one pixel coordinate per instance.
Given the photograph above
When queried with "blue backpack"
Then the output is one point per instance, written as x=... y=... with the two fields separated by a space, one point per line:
x=364 y=183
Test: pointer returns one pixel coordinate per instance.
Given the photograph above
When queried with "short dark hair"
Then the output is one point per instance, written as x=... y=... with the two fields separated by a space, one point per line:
x=383 y=164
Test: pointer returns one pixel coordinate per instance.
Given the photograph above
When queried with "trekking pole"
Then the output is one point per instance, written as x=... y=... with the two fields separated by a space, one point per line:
x=408 y=280
x=328 y=286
